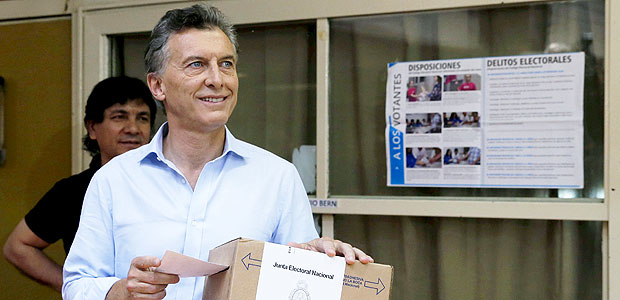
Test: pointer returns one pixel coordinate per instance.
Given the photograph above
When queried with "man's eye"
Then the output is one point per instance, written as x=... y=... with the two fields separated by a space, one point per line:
x=227 y=64
x=195 y=64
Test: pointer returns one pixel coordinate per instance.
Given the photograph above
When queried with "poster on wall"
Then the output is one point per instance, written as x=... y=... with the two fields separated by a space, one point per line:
x=493 y=122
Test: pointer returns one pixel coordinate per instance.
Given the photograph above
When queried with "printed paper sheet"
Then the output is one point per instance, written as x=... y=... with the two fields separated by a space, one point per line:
x=504 y=122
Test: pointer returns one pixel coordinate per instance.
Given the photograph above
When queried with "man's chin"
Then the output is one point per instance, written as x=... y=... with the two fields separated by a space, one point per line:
x=127 y=147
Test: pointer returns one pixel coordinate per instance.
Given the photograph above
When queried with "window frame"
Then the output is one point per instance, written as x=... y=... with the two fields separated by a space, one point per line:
x=93 y=22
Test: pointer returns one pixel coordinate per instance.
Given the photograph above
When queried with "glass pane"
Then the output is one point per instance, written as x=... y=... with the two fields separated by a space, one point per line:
x=477 y=259
x=127 y=58
x=361 y=48
x=277 y=87
x=276 y=108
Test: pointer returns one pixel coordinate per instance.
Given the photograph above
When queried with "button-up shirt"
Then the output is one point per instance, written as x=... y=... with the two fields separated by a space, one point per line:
x=140 y=204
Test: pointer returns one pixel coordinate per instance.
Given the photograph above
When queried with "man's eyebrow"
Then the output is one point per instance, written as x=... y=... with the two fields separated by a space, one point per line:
x=229 y=57
x=192 y=58
x=118 y=110
x=201 y=58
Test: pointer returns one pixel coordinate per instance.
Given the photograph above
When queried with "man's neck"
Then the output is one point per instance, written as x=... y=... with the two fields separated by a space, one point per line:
x=190 y=151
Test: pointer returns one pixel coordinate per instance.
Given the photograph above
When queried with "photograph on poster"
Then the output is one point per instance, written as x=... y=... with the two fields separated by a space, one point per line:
x=462 y=82
x=421 y=157
x=461 y=156
x=426 y=88
x=423 y=123
x=465 y=119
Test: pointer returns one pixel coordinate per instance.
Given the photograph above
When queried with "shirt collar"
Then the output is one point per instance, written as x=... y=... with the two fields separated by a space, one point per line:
x=155 y=147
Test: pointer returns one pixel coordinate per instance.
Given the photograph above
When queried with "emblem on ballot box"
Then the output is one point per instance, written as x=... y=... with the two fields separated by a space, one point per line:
x=300 y=292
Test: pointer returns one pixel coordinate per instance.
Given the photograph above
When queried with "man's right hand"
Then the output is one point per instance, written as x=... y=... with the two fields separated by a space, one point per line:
x=143 y=281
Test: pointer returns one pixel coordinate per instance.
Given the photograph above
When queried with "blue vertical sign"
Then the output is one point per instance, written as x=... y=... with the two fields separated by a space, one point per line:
x=397 y=153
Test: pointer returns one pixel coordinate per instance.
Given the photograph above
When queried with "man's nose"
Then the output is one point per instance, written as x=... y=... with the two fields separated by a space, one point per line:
x=131 y=126
x=214 y=77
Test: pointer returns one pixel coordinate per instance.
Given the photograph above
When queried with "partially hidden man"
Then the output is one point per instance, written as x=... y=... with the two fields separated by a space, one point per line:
x=119 y=114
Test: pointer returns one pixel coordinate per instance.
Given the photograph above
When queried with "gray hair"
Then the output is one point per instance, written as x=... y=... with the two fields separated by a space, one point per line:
x=177 y=20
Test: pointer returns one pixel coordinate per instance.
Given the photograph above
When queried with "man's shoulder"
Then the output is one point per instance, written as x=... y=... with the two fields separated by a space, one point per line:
x=132 y=156
x=256 y=154
x=76 y=180
x=127 y=160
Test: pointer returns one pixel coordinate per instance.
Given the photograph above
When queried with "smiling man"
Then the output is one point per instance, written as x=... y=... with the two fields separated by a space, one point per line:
x=195 y=186
x=119 y=115
x=124 y=127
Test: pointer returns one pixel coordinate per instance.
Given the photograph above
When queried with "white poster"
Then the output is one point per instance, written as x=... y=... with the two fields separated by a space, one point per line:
x=497 y=122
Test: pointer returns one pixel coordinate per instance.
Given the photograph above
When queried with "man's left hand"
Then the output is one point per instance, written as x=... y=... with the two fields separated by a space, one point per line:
x=333 y=247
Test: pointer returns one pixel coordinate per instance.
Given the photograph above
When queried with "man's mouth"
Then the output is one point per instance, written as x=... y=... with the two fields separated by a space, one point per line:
x=212 y=99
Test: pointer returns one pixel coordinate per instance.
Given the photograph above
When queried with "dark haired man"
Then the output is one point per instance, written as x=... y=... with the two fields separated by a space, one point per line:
x=194 y=186
x=119 y=114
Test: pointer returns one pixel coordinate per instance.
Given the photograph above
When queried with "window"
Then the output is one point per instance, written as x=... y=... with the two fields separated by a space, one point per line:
x=361 y=48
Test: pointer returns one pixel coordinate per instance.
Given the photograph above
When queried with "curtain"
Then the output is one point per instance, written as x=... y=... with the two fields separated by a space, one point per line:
x=276 y=107
x=457 y=258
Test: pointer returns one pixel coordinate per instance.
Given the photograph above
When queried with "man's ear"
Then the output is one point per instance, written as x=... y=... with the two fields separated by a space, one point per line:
x=156 y=86
x=90 y=127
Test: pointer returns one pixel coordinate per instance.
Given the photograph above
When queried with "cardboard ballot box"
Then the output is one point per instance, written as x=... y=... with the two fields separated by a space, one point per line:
x=244 y=256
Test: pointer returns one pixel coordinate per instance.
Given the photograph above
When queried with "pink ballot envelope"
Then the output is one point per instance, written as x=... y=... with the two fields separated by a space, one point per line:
x=185 y=266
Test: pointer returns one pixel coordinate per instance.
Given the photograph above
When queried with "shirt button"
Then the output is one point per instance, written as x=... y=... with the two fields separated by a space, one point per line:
x=194 y=223
x=183 y=181
x=159 y=159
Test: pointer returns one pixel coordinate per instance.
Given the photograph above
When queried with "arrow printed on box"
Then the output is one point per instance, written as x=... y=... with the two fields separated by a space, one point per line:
x=249 y=261
x=378 y=286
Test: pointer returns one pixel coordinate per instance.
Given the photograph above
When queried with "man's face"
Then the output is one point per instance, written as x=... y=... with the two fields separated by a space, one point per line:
x=467 y=78
x=199 y=84
x=124 y=127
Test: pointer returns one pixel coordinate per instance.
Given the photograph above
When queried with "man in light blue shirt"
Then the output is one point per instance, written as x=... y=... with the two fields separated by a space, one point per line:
x=194 y=186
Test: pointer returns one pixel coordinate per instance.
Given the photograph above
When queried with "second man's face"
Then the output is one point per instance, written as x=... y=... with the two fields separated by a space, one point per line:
x=199 y=84
x=124 y=127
